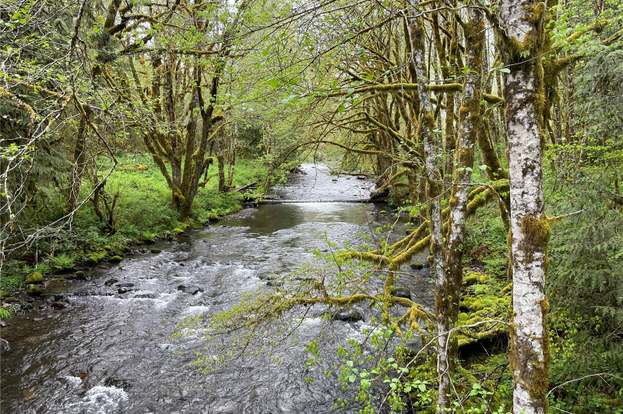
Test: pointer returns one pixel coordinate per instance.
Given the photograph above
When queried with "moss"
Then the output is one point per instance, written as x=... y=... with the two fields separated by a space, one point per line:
x=34 y=290
x=63 y=261
x=34 y=277
x=471 y=278
x=536 y=231
x=96 y=257
x=482 y=299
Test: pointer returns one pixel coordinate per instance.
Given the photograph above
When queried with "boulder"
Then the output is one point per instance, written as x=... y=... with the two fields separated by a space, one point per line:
x=190 y=289
x=34 y=290
x=34 y=278
x=401 y=292
x=418 y=266
x=348 y=315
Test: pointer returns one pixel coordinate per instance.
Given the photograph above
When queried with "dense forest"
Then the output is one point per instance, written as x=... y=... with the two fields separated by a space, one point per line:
x=490 y=132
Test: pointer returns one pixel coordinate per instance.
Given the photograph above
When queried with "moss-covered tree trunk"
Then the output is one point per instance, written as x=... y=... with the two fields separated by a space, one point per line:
x=469 y=120
x=434 y=184
x=521 y=44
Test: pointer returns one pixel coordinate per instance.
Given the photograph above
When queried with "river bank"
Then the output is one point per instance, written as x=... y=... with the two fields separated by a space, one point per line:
x=141 y=217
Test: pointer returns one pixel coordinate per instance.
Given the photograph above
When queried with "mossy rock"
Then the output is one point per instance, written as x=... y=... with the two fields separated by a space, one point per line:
x=34 y=290
x=472 y=278
x=484 y=298
x=181 y=228
x=3 y=293
x=115 y=259
x=34 y=277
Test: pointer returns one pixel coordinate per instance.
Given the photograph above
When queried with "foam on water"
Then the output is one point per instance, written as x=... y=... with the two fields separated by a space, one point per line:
x=100 y=400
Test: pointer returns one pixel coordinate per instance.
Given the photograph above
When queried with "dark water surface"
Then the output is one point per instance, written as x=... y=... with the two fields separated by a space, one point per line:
x=111 y=351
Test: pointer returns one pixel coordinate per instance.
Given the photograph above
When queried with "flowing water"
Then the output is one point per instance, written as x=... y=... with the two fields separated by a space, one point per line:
x=111 y=347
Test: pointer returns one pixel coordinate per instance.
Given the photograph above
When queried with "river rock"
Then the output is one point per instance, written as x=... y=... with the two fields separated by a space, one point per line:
x=155 y=251
x=115 y=259
x=417 y=266
x=125 y=285
x=401 y=292
x=57 y=304
x=111 y=282
x=191 y=289
x=4 y=345
x=348 y=315
x=146 y=295
x=81 y=275
x=34 y=290
x=123 y=290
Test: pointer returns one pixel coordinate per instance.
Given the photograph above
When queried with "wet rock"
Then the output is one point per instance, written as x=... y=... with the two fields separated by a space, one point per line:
x=401 y=292
x=34 y=290
x=418 y=266
x=348 y=315
x=58 y=301
x=118 y=383
x=334 y=180
x=81 y=275
x=57 y=304
x=380 y=194
x=146 y=295
x=125 y=285
x=34 y=278
x=111 y=282
x=155 y=251
x=123 y=290
x=362 y=177
x=190 y=289
x=4 y=345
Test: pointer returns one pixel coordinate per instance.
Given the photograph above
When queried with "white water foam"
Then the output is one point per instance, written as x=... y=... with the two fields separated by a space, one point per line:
x=100 y=400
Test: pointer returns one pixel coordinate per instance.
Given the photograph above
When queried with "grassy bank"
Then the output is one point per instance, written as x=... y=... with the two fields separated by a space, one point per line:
x=142 y=214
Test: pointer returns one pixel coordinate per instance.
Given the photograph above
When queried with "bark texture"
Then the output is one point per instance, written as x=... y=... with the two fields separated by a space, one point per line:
x=434 y=182
x=522 y=23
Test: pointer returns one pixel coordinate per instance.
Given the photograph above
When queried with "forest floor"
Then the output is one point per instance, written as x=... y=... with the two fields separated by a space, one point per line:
x=142 y=214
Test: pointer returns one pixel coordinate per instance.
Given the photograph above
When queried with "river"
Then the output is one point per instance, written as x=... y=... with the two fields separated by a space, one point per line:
x=112 y=347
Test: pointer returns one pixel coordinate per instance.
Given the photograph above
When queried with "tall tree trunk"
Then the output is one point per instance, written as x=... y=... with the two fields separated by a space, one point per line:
x=79 y=164
x=521 y=44
x=434 y=183
x=469 y=113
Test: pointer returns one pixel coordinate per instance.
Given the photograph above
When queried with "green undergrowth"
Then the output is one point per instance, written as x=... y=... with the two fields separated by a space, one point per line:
x=143 y=213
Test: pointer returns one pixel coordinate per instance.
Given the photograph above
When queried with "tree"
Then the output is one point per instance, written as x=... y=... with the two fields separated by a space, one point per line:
x=521 y=42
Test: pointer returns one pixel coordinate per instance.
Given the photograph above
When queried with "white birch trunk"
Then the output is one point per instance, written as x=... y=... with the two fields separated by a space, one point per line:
x=530 y=231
